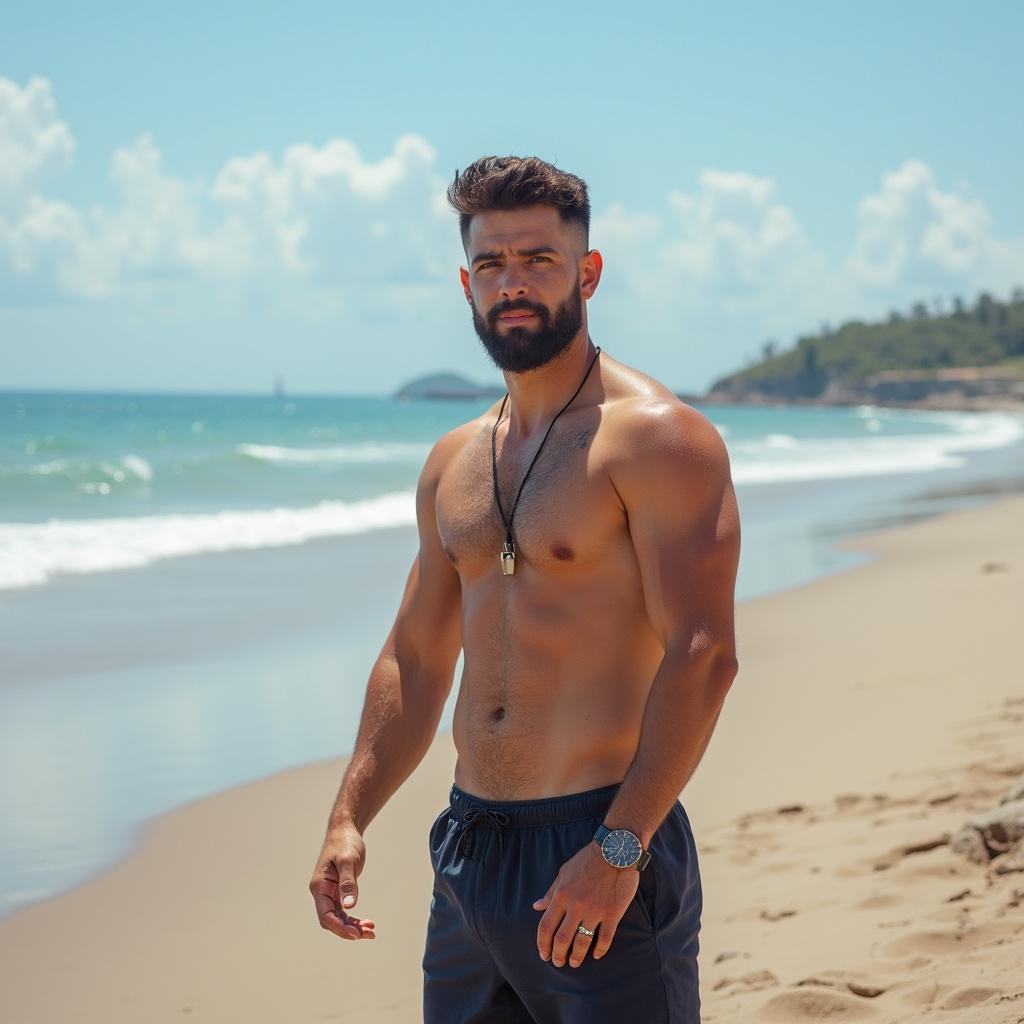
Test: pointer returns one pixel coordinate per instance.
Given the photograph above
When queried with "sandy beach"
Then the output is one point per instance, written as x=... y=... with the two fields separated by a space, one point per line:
x=875 y=711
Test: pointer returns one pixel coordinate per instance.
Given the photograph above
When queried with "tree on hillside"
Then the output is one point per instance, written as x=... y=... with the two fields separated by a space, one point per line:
x=812 y=376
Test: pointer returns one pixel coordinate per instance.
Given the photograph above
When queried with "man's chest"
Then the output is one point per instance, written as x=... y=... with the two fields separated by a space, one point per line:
x=564 y=512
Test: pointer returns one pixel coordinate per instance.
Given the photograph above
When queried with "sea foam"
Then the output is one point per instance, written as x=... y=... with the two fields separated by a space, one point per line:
x=780 y=458
x=32 y=553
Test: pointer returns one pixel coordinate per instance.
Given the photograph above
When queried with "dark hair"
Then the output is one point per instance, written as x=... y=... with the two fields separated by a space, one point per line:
x=512 y=182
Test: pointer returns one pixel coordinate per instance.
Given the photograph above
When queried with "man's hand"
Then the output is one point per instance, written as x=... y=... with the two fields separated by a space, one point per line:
x=587 y=891
x=334 y=883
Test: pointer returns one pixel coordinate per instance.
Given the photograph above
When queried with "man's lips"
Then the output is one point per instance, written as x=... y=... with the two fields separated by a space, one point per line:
x=515 y=316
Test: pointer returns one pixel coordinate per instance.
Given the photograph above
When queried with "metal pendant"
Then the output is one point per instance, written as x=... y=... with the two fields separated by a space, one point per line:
x=508 y=558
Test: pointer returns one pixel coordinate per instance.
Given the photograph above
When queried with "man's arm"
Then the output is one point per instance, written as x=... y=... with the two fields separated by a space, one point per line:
x=683 y=519
x=413 y=674
x=672 y=475
x=408 y=686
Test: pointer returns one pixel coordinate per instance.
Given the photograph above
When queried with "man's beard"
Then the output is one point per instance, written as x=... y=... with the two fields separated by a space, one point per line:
x=520 y=349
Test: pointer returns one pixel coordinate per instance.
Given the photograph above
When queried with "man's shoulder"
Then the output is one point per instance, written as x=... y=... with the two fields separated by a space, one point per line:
x=655 y=424
x=665 y=453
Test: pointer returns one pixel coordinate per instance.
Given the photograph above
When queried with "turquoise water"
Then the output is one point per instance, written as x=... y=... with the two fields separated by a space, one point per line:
x=90 y=483
x=193 y=588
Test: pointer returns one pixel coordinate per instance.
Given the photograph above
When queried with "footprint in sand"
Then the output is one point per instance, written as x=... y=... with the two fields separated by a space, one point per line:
x=776 y=915
x=924 y=995
x=845 y=981
x=879 y=901
x=814 y=1004
x=936 y=995
x=961 y=998
x=753 y=981
x=946 y=943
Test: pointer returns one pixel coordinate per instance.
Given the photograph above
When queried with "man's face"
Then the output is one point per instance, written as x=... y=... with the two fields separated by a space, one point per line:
x=524 y=284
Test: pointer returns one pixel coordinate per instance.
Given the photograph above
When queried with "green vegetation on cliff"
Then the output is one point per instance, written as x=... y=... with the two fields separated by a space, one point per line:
x=987 y=334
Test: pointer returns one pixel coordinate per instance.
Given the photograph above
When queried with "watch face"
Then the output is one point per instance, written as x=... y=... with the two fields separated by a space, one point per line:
x=621 y=848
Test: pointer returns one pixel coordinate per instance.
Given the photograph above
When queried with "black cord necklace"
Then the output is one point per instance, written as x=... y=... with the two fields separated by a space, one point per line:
x=508 y=553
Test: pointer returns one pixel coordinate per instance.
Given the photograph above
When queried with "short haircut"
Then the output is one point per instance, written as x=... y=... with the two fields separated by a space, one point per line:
x=512 y=182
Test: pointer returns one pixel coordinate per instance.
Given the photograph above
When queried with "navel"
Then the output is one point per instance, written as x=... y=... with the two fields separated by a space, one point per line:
x=498 y=714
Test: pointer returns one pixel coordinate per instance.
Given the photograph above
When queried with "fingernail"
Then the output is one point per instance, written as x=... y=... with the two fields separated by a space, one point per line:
x=543 y=956
x=349 y=900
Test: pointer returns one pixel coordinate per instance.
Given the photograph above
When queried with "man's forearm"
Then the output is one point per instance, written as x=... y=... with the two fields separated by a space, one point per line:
x=400 y=715
x=682 y=708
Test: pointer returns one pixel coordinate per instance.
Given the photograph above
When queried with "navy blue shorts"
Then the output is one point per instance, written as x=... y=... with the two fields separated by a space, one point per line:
x=481 y=964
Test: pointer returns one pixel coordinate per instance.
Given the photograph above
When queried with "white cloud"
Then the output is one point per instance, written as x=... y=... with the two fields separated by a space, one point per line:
x=734 y=238
x=730 y=245
x=326 y=234
x=33 y=141
x=317 y=217
x=327 y=215
x=912 y=234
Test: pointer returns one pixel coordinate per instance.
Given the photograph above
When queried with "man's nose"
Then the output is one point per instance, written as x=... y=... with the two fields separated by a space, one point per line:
x=513 y=283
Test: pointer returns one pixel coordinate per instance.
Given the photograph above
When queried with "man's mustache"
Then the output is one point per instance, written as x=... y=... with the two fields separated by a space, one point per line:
x=508 y=306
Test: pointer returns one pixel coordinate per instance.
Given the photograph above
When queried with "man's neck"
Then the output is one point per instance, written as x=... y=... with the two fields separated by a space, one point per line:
x=535 y=397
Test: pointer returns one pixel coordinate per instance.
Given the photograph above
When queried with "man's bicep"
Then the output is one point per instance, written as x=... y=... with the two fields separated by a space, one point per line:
x=684 y=523
x=427 y=630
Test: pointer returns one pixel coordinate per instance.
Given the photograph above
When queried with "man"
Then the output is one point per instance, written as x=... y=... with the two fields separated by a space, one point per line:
x=579 y=541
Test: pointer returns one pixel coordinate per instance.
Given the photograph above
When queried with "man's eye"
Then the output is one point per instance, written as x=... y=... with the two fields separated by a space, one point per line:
x=484 y=266
x=547 y=258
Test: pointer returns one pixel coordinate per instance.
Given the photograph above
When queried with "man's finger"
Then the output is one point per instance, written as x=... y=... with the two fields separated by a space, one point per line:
x=348 y=891
x=603 y=939
x=334 y=920
x=564 y=938
x=580 y=945
x=327 y=912
x=546 y=930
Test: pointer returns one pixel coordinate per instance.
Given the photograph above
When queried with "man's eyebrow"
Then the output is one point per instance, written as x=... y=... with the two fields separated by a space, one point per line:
x=536 y=251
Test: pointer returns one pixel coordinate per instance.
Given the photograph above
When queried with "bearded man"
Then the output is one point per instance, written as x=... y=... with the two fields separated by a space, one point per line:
x=579 y=542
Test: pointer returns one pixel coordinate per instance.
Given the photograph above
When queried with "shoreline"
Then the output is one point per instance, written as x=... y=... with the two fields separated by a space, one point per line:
x=268 y=651
x=209 y=647
x=901 y=715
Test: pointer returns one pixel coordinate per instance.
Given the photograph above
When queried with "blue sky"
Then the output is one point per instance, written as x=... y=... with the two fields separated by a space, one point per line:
x=198 y=198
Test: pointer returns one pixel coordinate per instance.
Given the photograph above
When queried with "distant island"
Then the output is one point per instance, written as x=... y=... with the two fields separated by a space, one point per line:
x=447 y=386
x=966 y=358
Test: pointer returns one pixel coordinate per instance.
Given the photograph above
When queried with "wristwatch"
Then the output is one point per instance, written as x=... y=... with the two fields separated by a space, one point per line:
x=621 y=848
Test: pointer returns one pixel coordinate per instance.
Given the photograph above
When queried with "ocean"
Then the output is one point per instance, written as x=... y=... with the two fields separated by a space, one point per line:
x=193 y=588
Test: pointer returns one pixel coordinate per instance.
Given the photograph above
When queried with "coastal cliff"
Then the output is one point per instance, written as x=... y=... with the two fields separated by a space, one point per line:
x=964 y=358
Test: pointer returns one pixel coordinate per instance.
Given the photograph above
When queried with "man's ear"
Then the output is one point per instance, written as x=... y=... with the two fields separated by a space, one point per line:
x=590 y=272
x=464 y=277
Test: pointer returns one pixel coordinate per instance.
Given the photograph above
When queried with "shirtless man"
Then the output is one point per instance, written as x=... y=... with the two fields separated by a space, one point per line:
x=595 y=669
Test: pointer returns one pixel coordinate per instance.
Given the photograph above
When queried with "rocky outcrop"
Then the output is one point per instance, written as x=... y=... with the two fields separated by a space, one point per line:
x=995 y=836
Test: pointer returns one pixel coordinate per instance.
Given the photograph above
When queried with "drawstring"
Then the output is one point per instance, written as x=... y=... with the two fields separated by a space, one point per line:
x=476 y=813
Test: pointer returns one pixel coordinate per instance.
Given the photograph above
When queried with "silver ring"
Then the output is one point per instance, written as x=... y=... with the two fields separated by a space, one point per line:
x=585 y=931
